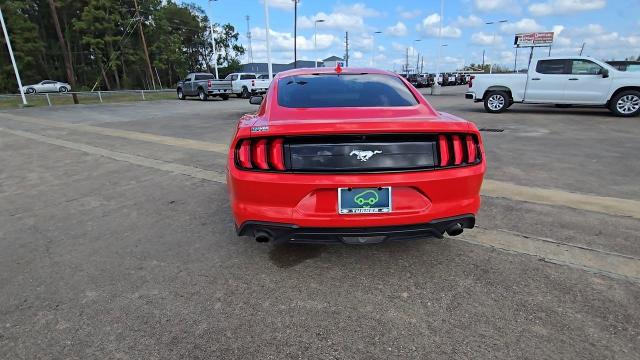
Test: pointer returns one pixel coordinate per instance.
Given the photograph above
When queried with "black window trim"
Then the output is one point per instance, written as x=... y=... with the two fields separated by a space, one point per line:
x=417 y=101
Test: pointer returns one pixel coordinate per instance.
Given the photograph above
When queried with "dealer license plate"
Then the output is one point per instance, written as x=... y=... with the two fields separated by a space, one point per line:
x=364 y=200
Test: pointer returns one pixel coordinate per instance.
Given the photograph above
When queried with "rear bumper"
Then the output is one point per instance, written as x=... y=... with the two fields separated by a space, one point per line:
x=218 y=91
x=281 y=233
x=311 y=200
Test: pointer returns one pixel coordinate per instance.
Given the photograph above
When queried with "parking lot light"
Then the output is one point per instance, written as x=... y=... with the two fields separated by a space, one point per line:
x=373 y=47
x=315 y=40
x=493 y=41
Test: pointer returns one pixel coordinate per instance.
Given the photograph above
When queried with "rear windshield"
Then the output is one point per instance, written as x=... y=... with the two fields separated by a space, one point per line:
x=345 y=90
x=205 y=77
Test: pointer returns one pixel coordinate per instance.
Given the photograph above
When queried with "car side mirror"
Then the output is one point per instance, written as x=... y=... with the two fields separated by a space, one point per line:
x=256 y=100
x=605 y=73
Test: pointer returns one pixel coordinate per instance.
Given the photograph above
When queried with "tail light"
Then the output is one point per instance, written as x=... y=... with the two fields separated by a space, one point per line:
x=471 y=80
x=458 y=149
x=209 y=83
x=260 y=154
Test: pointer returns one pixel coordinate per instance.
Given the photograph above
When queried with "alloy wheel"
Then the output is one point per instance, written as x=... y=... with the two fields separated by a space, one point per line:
x=628 y=104
x=496 y=102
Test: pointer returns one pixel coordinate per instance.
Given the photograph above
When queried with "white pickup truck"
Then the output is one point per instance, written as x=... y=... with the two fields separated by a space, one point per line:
x=246 y=84
x=563 y=81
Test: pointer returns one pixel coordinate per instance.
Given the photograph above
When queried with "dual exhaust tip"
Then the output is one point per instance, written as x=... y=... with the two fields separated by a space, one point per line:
x=264 y=236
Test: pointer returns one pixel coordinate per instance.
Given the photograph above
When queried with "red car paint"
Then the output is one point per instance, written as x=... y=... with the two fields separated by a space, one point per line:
x=309 y=200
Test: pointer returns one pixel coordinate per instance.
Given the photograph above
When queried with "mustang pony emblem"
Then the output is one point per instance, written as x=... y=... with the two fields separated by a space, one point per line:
x=364 y=155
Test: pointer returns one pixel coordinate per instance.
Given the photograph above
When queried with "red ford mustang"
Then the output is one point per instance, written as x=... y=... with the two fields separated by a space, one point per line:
x=354 y=156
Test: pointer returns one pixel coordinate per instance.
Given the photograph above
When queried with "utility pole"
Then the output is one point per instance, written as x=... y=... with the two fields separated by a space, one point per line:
x=483 y=60
x=581 y=48
x=65 y=54
x=295 y=34
x=250 y=53
x=346 y=48
x=144 y=45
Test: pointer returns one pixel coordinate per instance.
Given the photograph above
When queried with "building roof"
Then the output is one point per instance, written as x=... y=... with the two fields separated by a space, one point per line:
x=333 y=58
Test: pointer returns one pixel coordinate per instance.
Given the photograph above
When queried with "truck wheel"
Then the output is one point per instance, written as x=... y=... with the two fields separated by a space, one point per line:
x=245 y=93
x=224 y=97
x=626 y=103
x=180 y=94
x=496 y=102
x=202 y=95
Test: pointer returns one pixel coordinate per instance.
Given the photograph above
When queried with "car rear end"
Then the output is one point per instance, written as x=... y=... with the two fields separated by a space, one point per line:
x=260 y=86
x=354 y=175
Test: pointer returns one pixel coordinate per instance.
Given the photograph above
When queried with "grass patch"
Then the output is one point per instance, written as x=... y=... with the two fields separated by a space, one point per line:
x=13 y=102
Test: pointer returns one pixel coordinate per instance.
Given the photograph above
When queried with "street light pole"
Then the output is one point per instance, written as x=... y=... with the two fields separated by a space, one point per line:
x=315 y=40
x=266 y=21
x=435 y=89
x=373 y=47
x=295 y=34
x=13 y=60
x=213 y=39
x=493 y=42
x=415 y=51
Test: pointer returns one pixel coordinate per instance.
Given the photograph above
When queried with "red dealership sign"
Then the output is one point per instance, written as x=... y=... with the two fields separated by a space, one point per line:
x=533 y=39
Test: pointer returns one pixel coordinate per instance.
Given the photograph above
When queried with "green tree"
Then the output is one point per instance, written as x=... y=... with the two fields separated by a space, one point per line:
x=27 y=47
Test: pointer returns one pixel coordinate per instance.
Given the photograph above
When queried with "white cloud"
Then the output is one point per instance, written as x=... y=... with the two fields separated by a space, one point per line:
x=569 y=7
x=335 y=20
x=358 y=9
x=280 y=4
x=480 y=38
x=283 y=41
x=511 y=6
x=523 y=25
x=408 y=14
x=357 y=55
x=430 y=26
x=399 y=29
x=469 y=21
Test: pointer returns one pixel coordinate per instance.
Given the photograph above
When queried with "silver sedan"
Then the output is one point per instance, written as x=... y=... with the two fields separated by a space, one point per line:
x=47 y=86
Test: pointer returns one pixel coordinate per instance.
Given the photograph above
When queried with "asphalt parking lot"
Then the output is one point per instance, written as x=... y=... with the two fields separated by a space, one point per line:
x=116 y=241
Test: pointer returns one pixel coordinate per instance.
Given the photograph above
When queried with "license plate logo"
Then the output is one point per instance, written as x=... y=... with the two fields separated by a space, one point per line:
x=364 y=200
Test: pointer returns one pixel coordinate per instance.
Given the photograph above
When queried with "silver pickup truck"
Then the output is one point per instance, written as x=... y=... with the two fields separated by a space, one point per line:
x=203 y=85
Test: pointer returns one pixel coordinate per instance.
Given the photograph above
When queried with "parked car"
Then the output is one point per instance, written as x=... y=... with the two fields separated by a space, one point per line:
x=246 y=84
x=626 y=65
x=563 y=81
x=47 y=86
x=203 y=85
x=355 y=156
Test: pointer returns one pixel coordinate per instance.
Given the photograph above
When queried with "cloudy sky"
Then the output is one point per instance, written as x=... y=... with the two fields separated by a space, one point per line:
x=610 y=28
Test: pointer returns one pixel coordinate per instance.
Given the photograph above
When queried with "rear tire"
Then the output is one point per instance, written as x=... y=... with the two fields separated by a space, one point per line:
x=62 y=89
x=245 y=93
x=202 y=95
x=626 y=103
x=180 y=94
x=496 y=102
